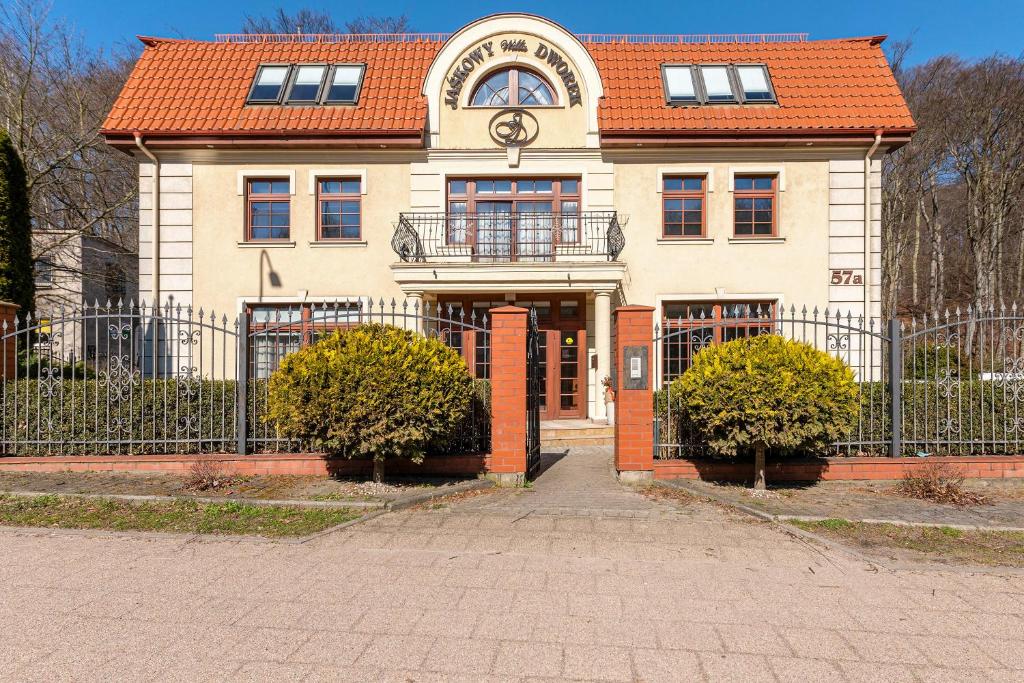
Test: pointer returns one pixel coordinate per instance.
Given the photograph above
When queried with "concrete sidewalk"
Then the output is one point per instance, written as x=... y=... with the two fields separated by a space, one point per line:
x=585 y=581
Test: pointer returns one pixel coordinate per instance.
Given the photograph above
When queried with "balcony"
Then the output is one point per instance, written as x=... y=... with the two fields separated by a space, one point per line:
x=508 y=237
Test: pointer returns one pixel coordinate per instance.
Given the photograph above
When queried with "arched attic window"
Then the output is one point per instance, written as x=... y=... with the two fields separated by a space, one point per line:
x=513 y=87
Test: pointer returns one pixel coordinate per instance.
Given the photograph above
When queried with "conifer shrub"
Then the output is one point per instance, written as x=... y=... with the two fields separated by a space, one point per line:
x=17 y=281
x=767 y=392
x=372 y=391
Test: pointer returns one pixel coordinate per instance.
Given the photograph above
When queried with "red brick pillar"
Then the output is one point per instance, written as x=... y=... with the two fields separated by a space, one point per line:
x=634 y=397
x=507 y=464
x=9 y=349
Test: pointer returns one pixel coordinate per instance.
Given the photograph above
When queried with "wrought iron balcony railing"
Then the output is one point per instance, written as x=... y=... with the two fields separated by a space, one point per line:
x=508 y=237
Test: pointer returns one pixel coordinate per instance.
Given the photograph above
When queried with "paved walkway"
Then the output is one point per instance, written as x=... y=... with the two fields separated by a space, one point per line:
x=500 y=589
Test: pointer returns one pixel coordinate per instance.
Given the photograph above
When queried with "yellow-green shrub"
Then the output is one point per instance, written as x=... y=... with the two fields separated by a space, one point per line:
x=372 y=391
x=767 y=392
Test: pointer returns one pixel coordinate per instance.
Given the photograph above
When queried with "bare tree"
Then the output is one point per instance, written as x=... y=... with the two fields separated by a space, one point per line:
x=364 y=25
x=985 y=137
x=302 y=21
x=318 y=21
x=54 y=95
x=953 y=223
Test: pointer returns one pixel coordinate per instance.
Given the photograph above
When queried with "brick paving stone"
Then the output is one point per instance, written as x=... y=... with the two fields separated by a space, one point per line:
x=545 y=584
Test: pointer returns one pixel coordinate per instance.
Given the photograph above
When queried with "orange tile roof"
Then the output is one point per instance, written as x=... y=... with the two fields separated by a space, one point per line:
x=199 y=88
x=821 y=85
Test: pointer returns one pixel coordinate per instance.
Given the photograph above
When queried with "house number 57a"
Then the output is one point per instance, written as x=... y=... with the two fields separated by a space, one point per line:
x=846 y=277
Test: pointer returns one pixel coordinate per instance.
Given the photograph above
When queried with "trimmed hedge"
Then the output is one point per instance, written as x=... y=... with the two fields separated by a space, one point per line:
x=71 y=428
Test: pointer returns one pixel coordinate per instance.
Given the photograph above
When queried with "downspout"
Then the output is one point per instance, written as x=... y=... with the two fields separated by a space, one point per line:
x=867 y=224
x=156 y=221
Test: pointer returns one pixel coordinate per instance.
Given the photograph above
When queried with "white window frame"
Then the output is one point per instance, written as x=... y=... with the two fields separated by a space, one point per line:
x=339 y=172
x=706 y=171
x=265 y=173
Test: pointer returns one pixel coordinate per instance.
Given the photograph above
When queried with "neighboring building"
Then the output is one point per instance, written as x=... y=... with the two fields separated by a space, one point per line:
x=74 y=272
x=515 y=162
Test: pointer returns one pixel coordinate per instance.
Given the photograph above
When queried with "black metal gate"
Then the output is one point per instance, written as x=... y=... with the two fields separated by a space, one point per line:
x=533 y=370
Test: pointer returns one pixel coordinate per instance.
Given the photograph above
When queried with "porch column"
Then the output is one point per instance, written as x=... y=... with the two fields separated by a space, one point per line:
x=603 y=344
x=414 y=312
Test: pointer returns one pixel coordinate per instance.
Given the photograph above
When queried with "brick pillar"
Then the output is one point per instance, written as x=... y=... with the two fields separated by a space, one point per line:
x=634 y=408
x=8 y=351
x=507 y=464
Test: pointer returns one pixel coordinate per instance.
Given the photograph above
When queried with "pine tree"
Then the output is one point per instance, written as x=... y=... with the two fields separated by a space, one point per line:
x=17 y=283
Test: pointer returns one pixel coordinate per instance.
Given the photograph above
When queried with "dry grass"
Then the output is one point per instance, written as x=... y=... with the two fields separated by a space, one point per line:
x=941 y=544
x=207 y=474
x=939 y=482
x=669 y=494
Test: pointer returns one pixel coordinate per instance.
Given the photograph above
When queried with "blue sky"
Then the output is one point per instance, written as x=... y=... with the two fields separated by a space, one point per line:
x=972 y=29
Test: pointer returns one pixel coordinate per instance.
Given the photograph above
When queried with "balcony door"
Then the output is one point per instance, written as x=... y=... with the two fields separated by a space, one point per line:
x=513 y=219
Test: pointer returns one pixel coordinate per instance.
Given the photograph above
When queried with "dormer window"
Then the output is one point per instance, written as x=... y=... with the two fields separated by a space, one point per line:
x=679 y=84
x=346 y=80
x=268 y=84
x=717 y=87
x=711 y=84
x=513 y=87
x=754 y=83
x=307 y=84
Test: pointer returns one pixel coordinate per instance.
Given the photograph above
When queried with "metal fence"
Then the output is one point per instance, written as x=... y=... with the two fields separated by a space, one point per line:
x=939 y=385
x=134 y=379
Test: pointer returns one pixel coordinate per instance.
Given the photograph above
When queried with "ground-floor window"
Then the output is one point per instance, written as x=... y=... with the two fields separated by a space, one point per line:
x=275 y=330
x=687 y=327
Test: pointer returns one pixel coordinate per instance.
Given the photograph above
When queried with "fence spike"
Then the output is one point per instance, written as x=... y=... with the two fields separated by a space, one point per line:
x=109 y=305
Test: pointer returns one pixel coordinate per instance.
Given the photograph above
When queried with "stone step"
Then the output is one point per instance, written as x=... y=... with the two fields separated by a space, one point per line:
x=575 y=432
x=566 y=441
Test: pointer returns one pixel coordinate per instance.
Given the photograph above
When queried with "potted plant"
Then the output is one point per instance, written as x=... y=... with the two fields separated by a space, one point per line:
x=609 y=399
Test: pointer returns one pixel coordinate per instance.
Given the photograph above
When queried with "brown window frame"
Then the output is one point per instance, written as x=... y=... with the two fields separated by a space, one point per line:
x=513 y=87
x=339 y=196
x=683 y=195
x=717 y=321
x=306 y=328
x=556 y=196
x=754 y=195
x=275 y=198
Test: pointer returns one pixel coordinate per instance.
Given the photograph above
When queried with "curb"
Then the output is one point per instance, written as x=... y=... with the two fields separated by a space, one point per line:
x=416 y=498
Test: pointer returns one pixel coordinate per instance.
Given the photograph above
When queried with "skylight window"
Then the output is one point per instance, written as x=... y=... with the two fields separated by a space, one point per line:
x=710 y=84
x=346 y=80
x=306 y=86
x=717 y=87
x=754 y=83
x=679 y=84
x=268 y=84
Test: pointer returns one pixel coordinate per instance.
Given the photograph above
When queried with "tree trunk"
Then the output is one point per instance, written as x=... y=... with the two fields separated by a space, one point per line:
x=914 y=298
x=759 y=482
x=378 y=470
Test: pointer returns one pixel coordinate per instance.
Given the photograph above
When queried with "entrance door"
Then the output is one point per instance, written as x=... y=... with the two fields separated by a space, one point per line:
x=563 y=340
x=562 y=323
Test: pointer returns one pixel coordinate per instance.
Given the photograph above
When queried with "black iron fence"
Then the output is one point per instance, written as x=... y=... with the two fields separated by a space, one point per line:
x=501 y=237
x=134 y=379
x=950 y=384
